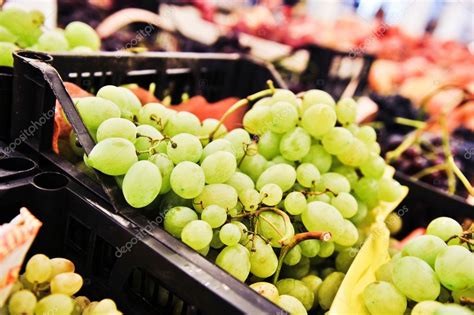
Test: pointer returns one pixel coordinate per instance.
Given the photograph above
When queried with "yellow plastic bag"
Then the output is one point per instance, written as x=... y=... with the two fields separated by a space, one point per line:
x=372 y=254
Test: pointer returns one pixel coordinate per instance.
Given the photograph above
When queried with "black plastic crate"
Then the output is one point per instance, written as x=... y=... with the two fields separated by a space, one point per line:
x=6 y=82
x=118 y=260
x=191 y=277
x=337 y=72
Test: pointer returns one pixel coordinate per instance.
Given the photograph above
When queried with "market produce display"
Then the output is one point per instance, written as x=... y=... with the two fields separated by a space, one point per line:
x=281 y=198
x=431 y=274
x=24 y=30
x=49 y=286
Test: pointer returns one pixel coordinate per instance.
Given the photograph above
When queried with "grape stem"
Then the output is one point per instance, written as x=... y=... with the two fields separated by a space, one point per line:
x=465 y=300
x=410 y=122
x=241 y=103
x=447 y=154
x=295 y=240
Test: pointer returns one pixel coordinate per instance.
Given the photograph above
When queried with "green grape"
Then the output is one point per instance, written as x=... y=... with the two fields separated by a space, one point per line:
x=20 y=24
x=235 y=260
x=82 y=302
x=425 y=308
x=346 y=110
x=38 y=269
x=271 y=194
x=197 y=234
x=457 y=294
x=184 y=147
x=389 y=189
x=218 y=167
x=297 y=271
x=253 y=166
x=6 y=51
x=263 y=102
x=454 y=267
x=282 y=95
x=366 y=189
x=81 y=34
x=337 y=140
x=272 y=227
x=22 y=302
x=165 y=166
x=216 y=242
x=295 y=203
x=374 y=166
x=318 y=120
x=281 y=160
x=295 y=144
x=216 y=194
x=257 y=120
x=374 y=147
x=214 y=215
x=293 y=256
x=216 y=146
x=128 y=102
x=95 y=110
x=117 y=128
x=243 y=230
x=60 y=265
x=444 y=228
x=384 y=272
x=281 y=174
x=335 y=183
x=182 y=122
x=141 y=184
x=6 y=36
x=52 y=41
x=291 y=304
x=452 y=309
x=346 y=204
x=89 y=308
x=367 y=134
x=55 y=304
x=310 y=248
x=105 y=306
x=239 y=138
x=297 y=289
x=323 y=217
x=230 y=234
x=208 y=126
x=269 y=145
x=326 y=272
x=383 y=298
x=250 y=199
x=355 y=154
x=263 y=261
x=148 y=142
x=313 y=97
x=326 y=249
x=415 y=278
x=171 y=199
x=345 y=258
x=266 y=289
x=187 y=180
x=319 y=157
x=155 y=115
x=240 y=182
x=176 y=219
x=307 y=175
x=284 y=117
x=313 y=283
x=67 y=283
x=349 y=235
x=328 y=289
x=81 y=50
x=75 y=144
x=425 y=247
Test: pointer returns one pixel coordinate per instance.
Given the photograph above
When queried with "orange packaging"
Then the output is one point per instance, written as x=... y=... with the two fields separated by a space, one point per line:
x=16 y=238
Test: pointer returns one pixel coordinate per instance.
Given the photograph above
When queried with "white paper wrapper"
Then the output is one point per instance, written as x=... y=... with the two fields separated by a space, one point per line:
x=15 y=240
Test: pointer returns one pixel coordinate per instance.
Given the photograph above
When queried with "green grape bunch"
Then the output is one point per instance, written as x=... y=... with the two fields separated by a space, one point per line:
x=51 y=286
x=286 y=195
x=20 y=29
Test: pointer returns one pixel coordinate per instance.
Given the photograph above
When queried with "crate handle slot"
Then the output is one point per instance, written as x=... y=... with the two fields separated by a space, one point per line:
x=16 y=164
x=50 y=181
